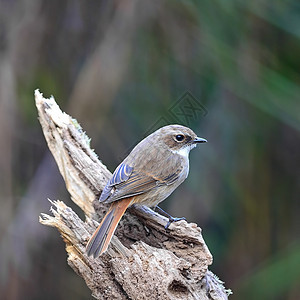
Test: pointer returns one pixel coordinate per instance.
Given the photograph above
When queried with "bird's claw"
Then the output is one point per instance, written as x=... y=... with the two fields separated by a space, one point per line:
x=173 y=219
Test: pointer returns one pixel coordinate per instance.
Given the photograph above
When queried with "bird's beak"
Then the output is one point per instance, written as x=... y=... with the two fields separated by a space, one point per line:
x=199 y=140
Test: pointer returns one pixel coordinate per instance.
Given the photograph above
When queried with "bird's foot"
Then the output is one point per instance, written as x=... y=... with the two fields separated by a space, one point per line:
x=171 y=219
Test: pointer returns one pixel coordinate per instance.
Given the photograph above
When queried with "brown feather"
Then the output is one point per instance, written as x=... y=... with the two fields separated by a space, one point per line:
x=100 y=240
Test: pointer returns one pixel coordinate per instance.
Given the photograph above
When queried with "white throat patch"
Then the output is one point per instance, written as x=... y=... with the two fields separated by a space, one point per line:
x=185 y=151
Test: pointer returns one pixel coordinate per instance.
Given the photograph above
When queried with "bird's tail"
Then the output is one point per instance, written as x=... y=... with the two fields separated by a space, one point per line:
x=100 y=240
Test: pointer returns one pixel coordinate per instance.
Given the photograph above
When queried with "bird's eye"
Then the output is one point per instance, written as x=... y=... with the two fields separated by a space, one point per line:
x=179 y=137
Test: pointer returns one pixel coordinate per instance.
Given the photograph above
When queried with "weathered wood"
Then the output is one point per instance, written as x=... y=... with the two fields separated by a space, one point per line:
x=144 y=261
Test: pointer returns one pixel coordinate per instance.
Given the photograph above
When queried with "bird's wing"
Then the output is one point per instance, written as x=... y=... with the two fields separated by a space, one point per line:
x=127 y=182
x=121 y=174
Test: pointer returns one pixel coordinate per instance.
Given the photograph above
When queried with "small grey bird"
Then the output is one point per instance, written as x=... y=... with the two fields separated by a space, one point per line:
x=148 y=175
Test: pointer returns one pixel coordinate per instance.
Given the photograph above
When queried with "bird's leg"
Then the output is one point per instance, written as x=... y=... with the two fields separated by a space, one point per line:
x=171 y=219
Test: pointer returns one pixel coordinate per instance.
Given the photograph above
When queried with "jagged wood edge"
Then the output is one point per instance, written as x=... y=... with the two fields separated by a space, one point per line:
x=85 y=177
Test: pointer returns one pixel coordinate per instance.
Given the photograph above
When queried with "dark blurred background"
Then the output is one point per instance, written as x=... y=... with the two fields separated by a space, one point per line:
x=227 y=69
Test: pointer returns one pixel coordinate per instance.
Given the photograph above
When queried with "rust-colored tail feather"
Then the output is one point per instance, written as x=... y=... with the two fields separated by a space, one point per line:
x=100 y=240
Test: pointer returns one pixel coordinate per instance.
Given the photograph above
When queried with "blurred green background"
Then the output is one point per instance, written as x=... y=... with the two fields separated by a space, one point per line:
x=122 y=68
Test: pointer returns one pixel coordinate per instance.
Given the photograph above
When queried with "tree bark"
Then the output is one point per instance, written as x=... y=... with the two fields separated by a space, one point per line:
x=144 y=261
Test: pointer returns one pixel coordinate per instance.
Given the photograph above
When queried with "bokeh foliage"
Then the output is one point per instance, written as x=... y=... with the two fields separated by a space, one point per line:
x=119 y=67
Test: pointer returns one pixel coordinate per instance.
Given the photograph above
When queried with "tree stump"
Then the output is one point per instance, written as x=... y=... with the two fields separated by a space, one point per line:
x=143 y=261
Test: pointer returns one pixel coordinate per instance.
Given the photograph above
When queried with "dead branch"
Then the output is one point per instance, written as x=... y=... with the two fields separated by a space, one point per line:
x=144 y=261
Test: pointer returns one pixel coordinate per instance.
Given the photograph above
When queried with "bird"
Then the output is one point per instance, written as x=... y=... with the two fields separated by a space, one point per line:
x=149 y=174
